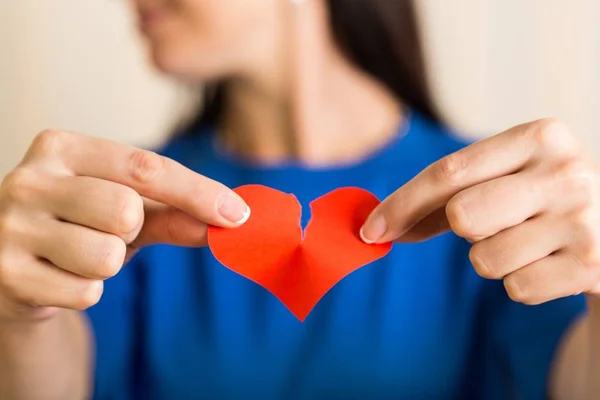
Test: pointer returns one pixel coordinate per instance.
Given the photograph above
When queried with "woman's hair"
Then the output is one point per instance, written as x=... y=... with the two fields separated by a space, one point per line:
x=382 y=38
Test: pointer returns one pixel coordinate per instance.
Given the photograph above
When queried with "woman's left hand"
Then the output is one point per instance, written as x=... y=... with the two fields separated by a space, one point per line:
x=526 y=198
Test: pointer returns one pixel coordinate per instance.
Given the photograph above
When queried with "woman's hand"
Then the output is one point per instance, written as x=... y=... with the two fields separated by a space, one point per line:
x=528 y=201
x=77 y=207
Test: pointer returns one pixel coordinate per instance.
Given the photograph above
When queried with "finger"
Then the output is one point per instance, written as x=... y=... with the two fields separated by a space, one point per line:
x=41 y=284
x=79 y=250
x=119 y=210
x=432 y=225
x=167 y=225
x=512 y=199
x=98 y=204
x=483 y=210
x=519 y=246
x=149 y=174
x=499 y=155
x=556 y=276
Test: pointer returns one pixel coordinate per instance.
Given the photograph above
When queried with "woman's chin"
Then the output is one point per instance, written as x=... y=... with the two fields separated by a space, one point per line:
x=180 y=66
x=169 y=65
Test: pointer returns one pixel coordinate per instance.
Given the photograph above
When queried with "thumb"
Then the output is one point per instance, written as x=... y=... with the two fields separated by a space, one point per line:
x=168 y=225
x=383 y=225
x=430 y=226
x=387 y=222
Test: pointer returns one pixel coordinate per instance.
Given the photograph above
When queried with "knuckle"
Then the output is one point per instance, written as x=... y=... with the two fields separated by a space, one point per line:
x=48 y=141
x=4 y=261
x=481 y=264
x=589 y=252
x=113 y=257
x=551 y=134
x=579 y=179
x=19 y=185
x=8 y=225
x=534 y=302
x=515 y=291
x=5 y=277
x=458 y=218
x=89 y=296
x=131 y=212
x=588 y=232
x=8 y=281
x=553 y=125
x=587 y=220
x=450 y=169
x=172 y=227
x=200 y=196
x=145 y=166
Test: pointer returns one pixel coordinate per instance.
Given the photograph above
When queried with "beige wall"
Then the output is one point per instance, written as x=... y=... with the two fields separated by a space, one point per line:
x=77 y=65
x=502 y=62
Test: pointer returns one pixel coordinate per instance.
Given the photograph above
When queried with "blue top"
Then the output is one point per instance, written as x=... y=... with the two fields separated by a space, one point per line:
x=417 y=324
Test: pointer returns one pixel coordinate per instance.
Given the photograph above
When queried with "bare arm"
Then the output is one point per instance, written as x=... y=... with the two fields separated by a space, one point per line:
x=46 y=360
x=576 y=371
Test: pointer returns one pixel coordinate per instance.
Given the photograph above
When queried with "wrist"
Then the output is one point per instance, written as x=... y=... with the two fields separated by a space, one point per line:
x=18 y=331
x=16 y=314
x=593 y=306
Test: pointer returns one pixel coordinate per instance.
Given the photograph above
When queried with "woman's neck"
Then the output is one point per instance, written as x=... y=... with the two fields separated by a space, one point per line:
x=314 y=106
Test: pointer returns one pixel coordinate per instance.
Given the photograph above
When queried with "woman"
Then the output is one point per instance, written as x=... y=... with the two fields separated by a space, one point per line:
x=304 y=97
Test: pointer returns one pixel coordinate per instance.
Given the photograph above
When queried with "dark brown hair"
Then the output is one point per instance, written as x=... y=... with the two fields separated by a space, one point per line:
x=381 y=37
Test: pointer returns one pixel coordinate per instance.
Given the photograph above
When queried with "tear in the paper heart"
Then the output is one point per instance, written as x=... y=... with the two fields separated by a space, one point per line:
x=270 y=250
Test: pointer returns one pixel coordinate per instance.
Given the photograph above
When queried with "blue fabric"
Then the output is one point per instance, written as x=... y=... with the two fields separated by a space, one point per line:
x=418 y=324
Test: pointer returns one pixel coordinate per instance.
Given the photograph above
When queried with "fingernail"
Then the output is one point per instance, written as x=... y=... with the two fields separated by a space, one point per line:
x=233 y=208
x=373 y=229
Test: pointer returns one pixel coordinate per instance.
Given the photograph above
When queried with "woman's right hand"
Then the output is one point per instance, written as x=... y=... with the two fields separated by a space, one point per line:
x=77 y=207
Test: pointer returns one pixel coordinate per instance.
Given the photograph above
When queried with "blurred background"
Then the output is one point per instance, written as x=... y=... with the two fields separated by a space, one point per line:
x=79 y=65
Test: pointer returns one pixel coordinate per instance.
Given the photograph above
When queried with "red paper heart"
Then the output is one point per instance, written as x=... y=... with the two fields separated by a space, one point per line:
x=269 y=249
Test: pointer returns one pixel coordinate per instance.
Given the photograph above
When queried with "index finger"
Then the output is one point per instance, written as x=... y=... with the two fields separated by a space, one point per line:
x=432 y=188
x=153 y=176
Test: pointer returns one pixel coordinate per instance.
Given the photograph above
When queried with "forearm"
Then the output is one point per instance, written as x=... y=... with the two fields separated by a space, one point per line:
x=47 y=360
x=576 y=370
x=593 y=373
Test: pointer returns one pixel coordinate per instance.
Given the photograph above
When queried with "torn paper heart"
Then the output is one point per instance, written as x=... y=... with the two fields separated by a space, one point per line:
x=269 y=248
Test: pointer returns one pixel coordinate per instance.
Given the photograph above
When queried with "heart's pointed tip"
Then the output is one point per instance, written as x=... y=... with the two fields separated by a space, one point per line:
x=300 y=314
x=268 y=206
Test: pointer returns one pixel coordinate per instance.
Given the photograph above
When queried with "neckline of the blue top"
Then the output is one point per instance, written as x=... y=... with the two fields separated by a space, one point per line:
x=406 y=129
